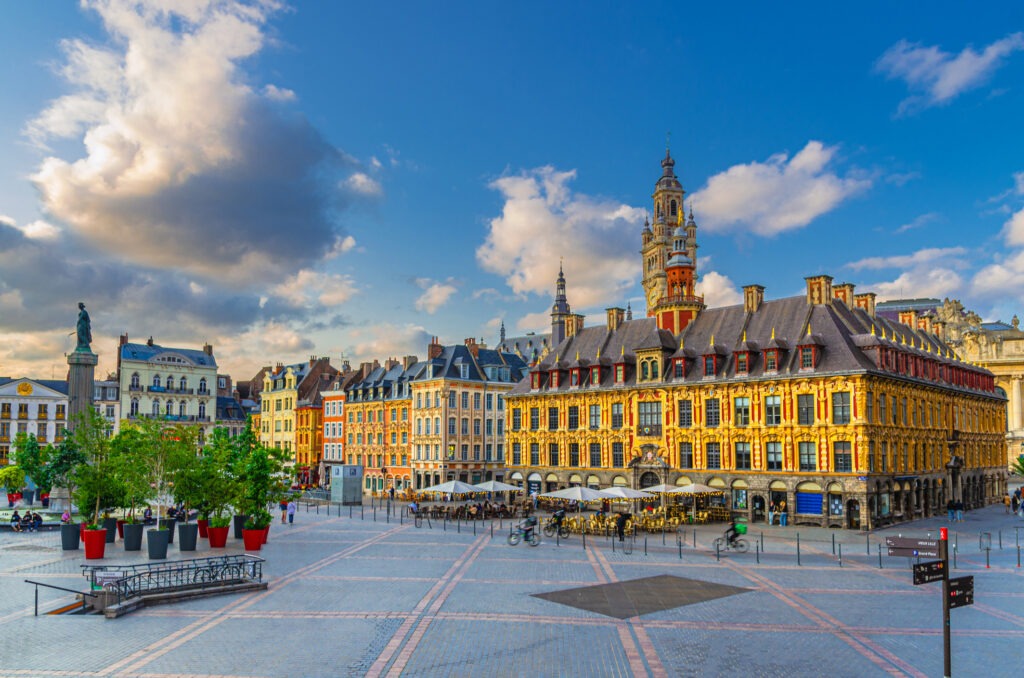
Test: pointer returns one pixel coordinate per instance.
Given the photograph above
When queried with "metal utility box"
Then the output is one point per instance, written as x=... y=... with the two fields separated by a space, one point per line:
x=347 y=485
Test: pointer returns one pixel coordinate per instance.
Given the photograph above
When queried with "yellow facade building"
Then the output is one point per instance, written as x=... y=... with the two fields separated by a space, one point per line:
x=285 y=390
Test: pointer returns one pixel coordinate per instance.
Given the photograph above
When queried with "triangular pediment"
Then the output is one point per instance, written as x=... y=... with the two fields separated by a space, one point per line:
x=28 y=388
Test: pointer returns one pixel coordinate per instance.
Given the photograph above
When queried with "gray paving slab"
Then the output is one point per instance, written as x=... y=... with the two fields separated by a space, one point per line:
x=351 y=597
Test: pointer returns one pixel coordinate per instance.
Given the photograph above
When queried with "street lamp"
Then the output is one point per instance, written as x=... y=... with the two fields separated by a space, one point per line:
x=451 y=456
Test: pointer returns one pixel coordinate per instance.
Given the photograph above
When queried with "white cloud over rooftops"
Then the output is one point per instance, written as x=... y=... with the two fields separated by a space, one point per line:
x=778 y=195
x=435 y=294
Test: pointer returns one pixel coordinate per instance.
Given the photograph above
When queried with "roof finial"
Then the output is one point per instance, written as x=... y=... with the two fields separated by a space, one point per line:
x=744 y=340
x=872 y=330
x=577 y=355
x=682 y=342
x=773 y=333
x=712 y=339
x=668 y=143
x=808 y=329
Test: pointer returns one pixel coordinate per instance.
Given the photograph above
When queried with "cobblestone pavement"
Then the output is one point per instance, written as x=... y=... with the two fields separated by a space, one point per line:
x=357 y=596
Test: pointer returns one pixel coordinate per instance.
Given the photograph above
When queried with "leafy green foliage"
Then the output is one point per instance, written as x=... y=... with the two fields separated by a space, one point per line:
x=34 y=460
x=95 y=482
x=12 y=477
x=1017 y=467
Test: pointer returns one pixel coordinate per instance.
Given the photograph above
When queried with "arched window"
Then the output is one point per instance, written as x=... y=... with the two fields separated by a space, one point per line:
x=135 y=380
x=170 y=382
x=156 y=408
x=169 y=408
x=156 y=380
x=654 y=369
x=133 y=410
x=202 y=385
x=202 y=411
x=182 y=384
x=643 y=370
x=181 y=408
x=672 y=210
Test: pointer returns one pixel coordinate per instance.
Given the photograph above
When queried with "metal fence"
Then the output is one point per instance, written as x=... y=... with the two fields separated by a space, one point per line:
x=129 y=581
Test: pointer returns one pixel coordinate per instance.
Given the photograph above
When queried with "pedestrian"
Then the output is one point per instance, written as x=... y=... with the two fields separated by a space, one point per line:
x=65 y=518
x=782 y=513
x=290 y=508
x=283 y=505
x=771 y=513
x=620 y=526
x=959 y=511
x=1014 y=503
x=951 y=511
x=1006 y=504
x=391 y=493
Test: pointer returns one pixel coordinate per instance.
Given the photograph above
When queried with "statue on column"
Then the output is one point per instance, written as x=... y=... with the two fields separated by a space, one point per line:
x=84 y=329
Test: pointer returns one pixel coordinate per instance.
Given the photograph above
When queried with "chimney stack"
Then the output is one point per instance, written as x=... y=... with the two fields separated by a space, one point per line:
x=149 y=342
x=819 y=289
x=615 y=316
x=866 y=301
x=434 y=349
x=124 y=339
x=208 y=349
x=474 y=349
x=573 y=324
x=408 y=361
x=909 y=318
x=753 y=297
x=844 y=293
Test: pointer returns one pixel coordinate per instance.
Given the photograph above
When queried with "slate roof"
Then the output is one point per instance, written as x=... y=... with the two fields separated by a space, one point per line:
x=58 y=385
x=843 y=337
x=229 y=409
x=529 y=347
x=146 y=352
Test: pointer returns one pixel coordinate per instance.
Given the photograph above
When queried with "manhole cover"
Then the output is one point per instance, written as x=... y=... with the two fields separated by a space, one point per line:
x=627 y=599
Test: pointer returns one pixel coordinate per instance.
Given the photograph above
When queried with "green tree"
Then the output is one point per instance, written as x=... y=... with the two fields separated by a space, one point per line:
x=65 y=459
x=128 y=463
x=1017 y=467
x=34 y=460
x=96 y=483
x=12 y=477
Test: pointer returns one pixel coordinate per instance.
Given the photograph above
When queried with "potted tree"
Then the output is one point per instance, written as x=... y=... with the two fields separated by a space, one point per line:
x=264 y=481
x=211 y=486
x=36 y=461
x=95 y=483
x=187 y=484
x=12 y=477
x=128 y=449
x=64 y=461
x=158 y=448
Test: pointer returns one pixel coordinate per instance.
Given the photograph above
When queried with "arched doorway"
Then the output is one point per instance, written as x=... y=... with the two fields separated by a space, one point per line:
x=649 y=479
x=852 y=514
x=550 y=482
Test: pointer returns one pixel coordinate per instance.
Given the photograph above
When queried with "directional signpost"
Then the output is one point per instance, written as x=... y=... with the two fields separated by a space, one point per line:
x=961 y=592
x=912 y=547
x=926 y=573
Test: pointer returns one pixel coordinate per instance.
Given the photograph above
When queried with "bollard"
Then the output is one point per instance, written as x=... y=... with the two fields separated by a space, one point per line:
x=798 y=548
x=362 y=512
x=1000 y=540
x=954 y=556
x=680 y=543
x=349 y=510
x=867 y=542
x=375 y=512
x=430 y=525
x=492 y=529
x=663 y=536
x=645 y=543
x=987 y=551
x=833 y=543
x=613 y=545
x=1018 y=555
x=695 y=537
x=840 y=555
x=458 y=525
x=558 y=539
x=718 y=555
x=584 y=533
x=757 y=552
x=879 y=556
x=762 y=540
x=446 y=522
x=387 y=517
x=401 y=518
x=474 y=528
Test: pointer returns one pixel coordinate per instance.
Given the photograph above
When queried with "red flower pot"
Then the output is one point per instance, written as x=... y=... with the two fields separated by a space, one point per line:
x=253 y=539
x=218 y=536
x=81 y=531
x=120 y=529
x=203 y=527
x=266 y=533
x=95 y=543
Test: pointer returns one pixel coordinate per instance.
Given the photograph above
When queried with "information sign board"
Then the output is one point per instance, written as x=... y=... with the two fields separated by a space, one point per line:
x=961 y=592
x=925 y=573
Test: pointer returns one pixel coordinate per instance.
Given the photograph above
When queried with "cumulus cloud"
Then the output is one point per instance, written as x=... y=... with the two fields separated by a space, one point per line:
x=1013 y=230
x=275 y=93
x=936 y=77
x=387 y=339
x=718 y=290
x=918 y=222
x=185 y=165
x=435 y=294
x=363 y=184
x=931 y=272
x=316 y=290
x=543 y=220
x=780 y=194
x=919 y=258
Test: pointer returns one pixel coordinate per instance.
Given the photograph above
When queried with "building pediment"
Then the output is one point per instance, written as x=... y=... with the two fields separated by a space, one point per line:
x=29 y=388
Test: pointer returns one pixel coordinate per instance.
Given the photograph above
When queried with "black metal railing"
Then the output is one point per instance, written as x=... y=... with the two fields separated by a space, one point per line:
x=37 y=584
x=129 y=581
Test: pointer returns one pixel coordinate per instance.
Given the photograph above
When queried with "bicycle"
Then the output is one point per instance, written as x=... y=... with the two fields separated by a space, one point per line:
x=417 y=519
x=738 y=545
x=552 y=525
x=517 y=534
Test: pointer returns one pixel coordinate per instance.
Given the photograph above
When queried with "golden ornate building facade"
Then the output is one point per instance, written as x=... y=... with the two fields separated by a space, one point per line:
x=849 y=418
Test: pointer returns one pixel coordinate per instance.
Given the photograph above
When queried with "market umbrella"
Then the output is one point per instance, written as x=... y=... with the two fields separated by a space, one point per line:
x=628 y=493
x=660 y=489
x=695 y=490
x=497 y=486
x=454 y=487
x=581 y=495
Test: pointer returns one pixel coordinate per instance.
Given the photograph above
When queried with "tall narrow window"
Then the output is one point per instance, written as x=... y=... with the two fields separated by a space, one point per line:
x=743 y=456
x=553 y=454
x=685 y=455
x=808 y=456
x=552 y=418
x=841 y=408
x=535 y=454
x=842 y=459
x=742 y=409
x=772 y=410
x=773 y=455
x=616 y=415
x=714 y=455
x=595 y=455
x=685 y=413
x=574 y=417
x=712 y=415
x=574 y=454
x=595 y=417
x=618 y=457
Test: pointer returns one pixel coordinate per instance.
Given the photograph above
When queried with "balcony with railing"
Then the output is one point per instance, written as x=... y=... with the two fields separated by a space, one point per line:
x=681 y=299
x=648 y=430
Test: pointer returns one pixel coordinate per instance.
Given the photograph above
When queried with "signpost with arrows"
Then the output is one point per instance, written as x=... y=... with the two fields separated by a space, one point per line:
x=956 y=592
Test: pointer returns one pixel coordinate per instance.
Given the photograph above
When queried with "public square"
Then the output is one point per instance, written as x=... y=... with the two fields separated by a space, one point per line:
x=363 y=596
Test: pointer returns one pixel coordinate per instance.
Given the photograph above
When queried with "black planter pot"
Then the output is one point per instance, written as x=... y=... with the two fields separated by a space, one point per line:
x=188 y=533
x=133 y=536
x=239 y=523
x=170 y=529
x=110 y=525
x=69 y=537
x=27 y=496
x=156 y=542
x=46 y=502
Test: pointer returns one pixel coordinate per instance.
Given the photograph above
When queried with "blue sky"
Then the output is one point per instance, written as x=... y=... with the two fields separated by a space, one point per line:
x=284 y=180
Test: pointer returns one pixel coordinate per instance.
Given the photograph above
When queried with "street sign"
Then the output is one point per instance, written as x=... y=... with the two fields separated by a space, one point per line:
x=912 y=543
x=914 y=552
x=961 y=591
x=925 y=573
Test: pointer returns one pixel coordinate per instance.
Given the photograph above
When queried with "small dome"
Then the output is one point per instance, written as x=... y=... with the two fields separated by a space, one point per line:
x=680 y=259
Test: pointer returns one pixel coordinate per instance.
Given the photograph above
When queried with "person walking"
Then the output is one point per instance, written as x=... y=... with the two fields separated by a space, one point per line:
x=1006 y=503
x=290 y=508
x=951 y=511
x=283 y=505
x=959 y=511
x=782 y=513
x=771 y=513
x=620 y=526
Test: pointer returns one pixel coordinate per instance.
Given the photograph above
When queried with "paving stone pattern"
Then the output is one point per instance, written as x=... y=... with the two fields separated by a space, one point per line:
x=358 y=597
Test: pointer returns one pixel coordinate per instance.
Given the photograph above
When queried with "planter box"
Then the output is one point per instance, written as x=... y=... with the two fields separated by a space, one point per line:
x=253 y=539
x=95 y=544
x=170 y=529
x=239 y=522
x=110 y=525
x=70 y=535
x=120 y=528
x=188 y=533
x=156 y=542
x=133 y=536
x=218 y=536
x=203 y=526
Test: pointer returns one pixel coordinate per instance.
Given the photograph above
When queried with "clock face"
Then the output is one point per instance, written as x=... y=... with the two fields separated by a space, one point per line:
x=24 y=388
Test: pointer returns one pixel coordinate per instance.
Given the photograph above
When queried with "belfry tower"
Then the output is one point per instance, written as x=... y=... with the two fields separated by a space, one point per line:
x=670 y=255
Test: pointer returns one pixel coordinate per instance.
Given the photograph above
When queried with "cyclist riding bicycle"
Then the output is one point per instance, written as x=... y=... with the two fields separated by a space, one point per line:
x=527 y=526
x=731 y=533
x=558 y=517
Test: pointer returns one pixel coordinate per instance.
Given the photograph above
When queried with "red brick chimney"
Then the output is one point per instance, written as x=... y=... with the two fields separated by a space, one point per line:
x=434 y=349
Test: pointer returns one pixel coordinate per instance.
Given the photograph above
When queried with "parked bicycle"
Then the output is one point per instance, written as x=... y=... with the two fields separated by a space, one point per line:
x=520 y=532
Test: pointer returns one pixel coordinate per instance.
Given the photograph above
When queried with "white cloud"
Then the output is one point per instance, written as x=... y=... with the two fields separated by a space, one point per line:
x=918 y=222
x=920 y=282
x=363 y=184
x=778 y=195
x=176 y=142
x=1013 y=230
x=1002 y=279
x=919 y=258
x=341 y=246
x=718 y=290
x=387 y=339
x=539 y=322
x=308 y=287
x=940 y=76
x=275 y=93
x=543 y=220
x=436 y=294
x=41 y=230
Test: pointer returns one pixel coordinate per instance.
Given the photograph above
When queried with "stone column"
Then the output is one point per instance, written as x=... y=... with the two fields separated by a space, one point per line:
x=81 y=377
x=1015 y=405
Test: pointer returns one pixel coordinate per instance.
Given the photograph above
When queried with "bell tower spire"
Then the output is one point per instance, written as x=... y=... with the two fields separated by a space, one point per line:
x=657 y=240
x=560 y=310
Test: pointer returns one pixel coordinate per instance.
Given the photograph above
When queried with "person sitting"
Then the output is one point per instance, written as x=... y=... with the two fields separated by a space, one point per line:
x=413 y=507
x=16 y=522
x=65 y=518
x=147 y=516
x=37 y=522
x=26 y=522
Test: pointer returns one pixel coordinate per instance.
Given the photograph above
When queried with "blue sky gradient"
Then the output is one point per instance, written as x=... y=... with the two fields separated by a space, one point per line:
x=353 y=178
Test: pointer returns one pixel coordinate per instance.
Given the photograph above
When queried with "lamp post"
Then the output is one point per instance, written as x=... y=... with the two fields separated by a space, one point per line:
x=451 y=457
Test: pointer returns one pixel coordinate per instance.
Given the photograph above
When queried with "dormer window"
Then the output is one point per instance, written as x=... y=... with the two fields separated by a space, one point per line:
x=574 y=378
x=807 y=357
x=595 y=376
x=679 y=368
x=620 y=374
x=649 y=370
x=742 y=363
x=710 y=365
x=535 y=380
x=554 y=378
x=771 y=360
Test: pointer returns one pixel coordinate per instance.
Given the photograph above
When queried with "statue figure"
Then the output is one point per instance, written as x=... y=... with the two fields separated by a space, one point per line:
x=84 y=329
x=1015 y=322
